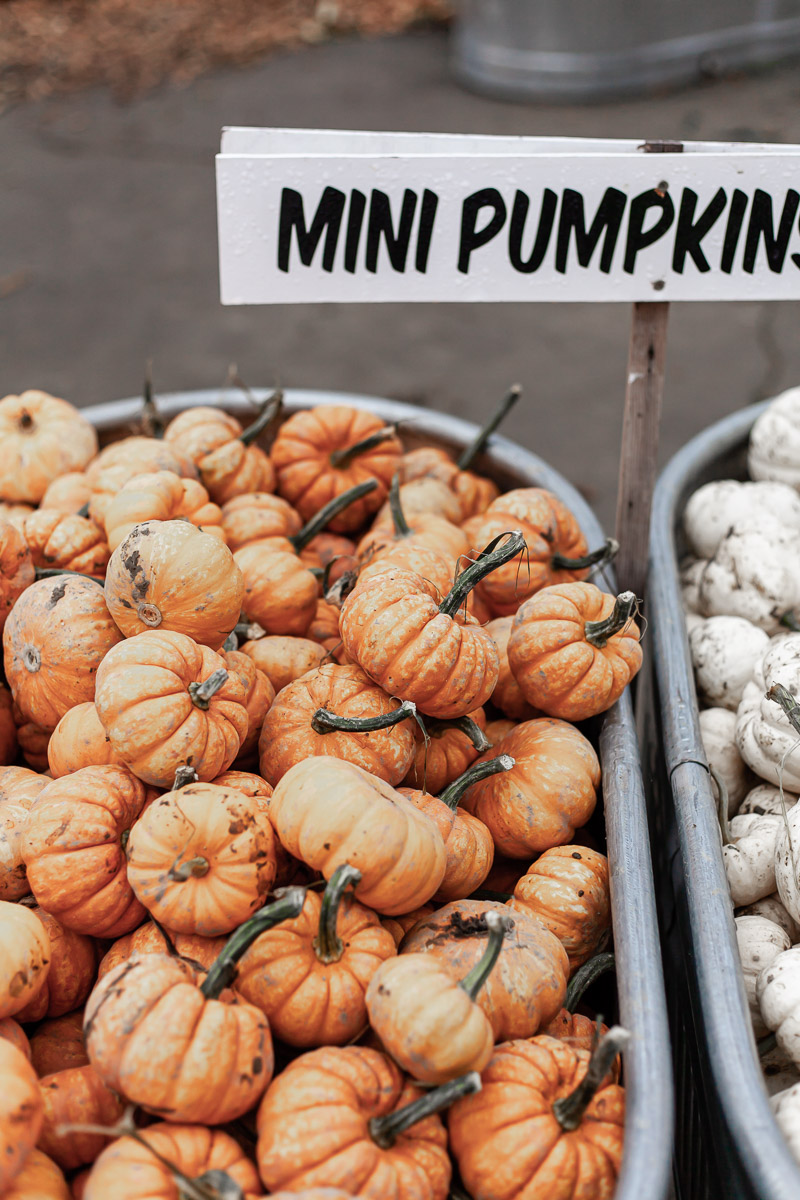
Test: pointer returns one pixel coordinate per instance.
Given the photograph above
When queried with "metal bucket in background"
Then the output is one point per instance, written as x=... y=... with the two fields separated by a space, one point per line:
x=646 y=1164
x=574 y=50
x=727 y=1141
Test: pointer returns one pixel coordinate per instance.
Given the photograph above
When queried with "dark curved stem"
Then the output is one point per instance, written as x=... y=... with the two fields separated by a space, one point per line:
x=722 y=804
x=193 y=868
x=596 y=558
x=251 y=631
x=784 y=697
x=343 y=457
x=385 y=1131
x=790 y=621
x=231 y=642
x=569 y=1110
x=201 y=693
x=223 y=970
x=183 y=777
x=401 y=526
x=497 y=924
x=152 y=424
x=585 y=976
x=490 y=559
x=474 y=774
x=597 y=633
x=51 y=572
x=270 y=410
x=83 y=511
x=324 y=721
x=467 y=726
x=766 y=1045
x=328 y=946
x=332 y=509
x=474 y=449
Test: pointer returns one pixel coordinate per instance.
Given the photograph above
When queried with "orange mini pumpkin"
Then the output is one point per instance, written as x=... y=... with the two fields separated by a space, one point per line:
x=40 y=438
x=553 y=1136
x=66 y=542
x=310 y=975
x=333 y=1118
x=54 y=640
x=283 y=658
x=280 y=593
x=73 y=965
x=79 y=740
x=426 y=530
x=58 y=1044
x=338 y=712
x=19 y=787
x=567 y=890
x=151 y=939
x=451 y=746
x=237 y=466
x=123 y=460
x=197 y=431
x=507 y=695
x=201 y=859
x=327 y=812
x=24 y=958
x=39 y=1179
x=73 y=847
x=76 y=1096
x=69 y=493
x=166 y=702
x=12 y=1032
x=160 y=496
x=258 y=515
x=550 y=792
x=16 y=568
x=259 y=694
x=574 y=649
x=21 y=1111
x=153 y=582
x=321 y=453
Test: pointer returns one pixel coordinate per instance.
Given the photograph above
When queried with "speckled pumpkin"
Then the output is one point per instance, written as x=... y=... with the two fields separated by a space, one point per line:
x=24 y=958
x=73 y=965
x=66 y=542
x=507 y=695
x=283 y=658
x=19 y=787
x=79 y=740
x=16 y=568
x=20 y=1112
x=160 y=496
x=567 y=890
x=40 y=438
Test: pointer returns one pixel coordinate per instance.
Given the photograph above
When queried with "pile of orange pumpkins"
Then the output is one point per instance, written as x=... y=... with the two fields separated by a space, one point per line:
x=293 y=896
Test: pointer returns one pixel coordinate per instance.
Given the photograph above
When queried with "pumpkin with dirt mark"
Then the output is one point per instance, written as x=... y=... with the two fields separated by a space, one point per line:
x=160 y=496
x=41 y=437
x=567 y=889
x=21 y=1111
x=73 y=967
x=66 y=542
x=19 y=787
x=25 y=957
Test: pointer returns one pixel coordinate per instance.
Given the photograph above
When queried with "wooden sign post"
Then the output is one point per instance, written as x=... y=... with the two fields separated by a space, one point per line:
x=328 y=216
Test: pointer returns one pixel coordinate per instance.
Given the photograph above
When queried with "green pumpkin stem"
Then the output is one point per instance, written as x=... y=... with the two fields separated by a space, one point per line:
x=585 y=976
x=193 y=868
x=83 y=511
x=789 y=620
x=467 y=726
x=766 y=1045
x=342 y=458
x=595 y=559
x=223 y=970
x=474 y=774
x=489 y=560
x=498 y=924
x=251 y=631
x=201 y=693
x=325 y=721
x=270 y=410
x=401 y=526
x=467 y=458
x=385 y=1131
x=569 y=1110
x=784 y=697
x=597 y=633
x=332 y=509
x=328 y=946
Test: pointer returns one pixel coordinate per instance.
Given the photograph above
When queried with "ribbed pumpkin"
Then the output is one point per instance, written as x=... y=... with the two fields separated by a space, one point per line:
x=422 y=530
x=16 y=568
x=20 y=1112
x=237 y=467
x=438 y=568
x=258 y=515
x=66 y=542
x=258 y=695
x=153 y=582
x=73 y=966
x=126 y=459
x=73 y=850
x=201 y=859
x=317 y=1128
x=280 y=593
x=283 y=658
x=574 y=649
x=128 y=1170
x=15 y=514
x=450 y=748
x=197 y=431
x=550 y=792
x=527 y=1117
x=567 y=890
x=474 y=492
x=40 y=438
x=327 y=812
x=39 y=1179
x=160 y=496
x=54 y=640
x=166 y=702
x=400 y=925
x=150 y=939
x=527 y=987
x=19 y=787
x=24 y=958
x=76 y=1096
x=320 y=454
x=79 y=740
x=69 y=493
x=338 y=712
x=422 y=497
x=58 y=1044
x=507 y=695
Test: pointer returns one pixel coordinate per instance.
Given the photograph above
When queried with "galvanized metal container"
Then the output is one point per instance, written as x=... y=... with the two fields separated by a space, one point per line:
x=640 y=986
x=727 y=1141
x=579 y=50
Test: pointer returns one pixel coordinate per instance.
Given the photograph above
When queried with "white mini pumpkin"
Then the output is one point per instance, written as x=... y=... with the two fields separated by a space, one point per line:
x=724 y=653
x=760 y=943
x=691 y=572
x=772 y=908
x=766 y=740
x=787 y=862
x=718 y=731
x=766 y=798
x=749 y=856
x=755 y=574
x=716 y=507
x=778 y=996
x=774 y=451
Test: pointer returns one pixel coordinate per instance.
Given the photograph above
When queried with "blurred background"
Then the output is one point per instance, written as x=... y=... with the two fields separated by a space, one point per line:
x=111 y=112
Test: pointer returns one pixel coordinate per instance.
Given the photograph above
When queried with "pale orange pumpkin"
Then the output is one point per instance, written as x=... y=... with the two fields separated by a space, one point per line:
x=567 y=890
x=54 y=640
x=21 y=1111
x=79 y=740
x=73 y=966
x=258 y=515
x=19 y=787
x=40 y=438
x=73 y=846
x=69 y=493
x=153 y=582
x=201 y=859
x=280 y=593
x=507 y=695
x=474 y=492
x=423 y=496
x=39 y=1179
x=12 y=1032
x=166 y=702
x=423 y=529
x=197 y=431
x=123 y=460
x=338 y=712
x=16 y=568
x=24 y=958
x=283 y=658
x=449 y=749
x=259 y=695
x=66 y=542
x=160 y=496
x=236 y=466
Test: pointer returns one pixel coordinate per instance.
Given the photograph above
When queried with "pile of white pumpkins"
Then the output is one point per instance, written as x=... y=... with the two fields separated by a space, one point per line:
x=741 y=591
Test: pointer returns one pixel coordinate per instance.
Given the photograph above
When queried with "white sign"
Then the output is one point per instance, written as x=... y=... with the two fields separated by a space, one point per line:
x=308 y=216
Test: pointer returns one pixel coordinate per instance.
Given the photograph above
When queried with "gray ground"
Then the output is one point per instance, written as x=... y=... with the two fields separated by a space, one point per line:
x=108 y=255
